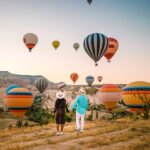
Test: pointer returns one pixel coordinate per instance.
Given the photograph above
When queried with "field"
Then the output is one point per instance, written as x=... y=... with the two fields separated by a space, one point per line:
x=121 y=134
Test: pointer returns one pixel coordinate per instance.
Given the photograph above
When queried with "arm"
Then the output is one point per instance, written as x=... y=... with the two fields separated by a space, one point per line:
x=75 y=104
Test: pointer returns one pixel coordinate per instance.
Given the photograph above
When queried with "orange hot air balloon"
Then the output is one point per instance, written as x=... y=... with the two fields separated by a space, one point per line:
x=110 y=95
x=18 y=100
x=74 y=77
x=112 y=49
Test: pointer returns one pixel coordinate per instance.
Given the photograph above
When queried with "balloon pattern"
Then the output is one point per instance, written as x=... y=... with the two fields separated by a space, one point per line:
x=74 y=77
x=95 y=45
x=112 y=49
x=110 y=95
x=76 y=46
x=30 y=40
x=133 y=94
x=89 y=79
x=56 y=44
x=42 y=84
x=11 y=87
x=18 y=101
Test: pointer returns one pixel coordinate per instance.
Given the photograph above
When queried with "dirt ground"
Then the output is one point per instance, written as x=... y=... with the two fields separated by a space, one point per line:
x=121 y=134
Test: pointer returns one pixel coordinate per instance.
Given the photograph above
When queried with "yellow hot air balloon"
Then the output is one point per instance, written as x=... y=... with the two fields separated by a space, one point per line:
x=56 y=44
x=110 y=95
x=133 y=94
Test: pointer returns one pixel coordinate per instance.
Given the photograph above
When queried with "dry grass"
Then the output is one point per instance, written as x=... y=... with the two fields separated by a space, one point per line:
x=122 y=134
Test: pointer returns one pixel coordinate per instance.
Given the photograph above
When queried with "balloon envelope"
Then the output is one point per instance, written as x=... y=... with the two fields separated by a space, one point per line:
x=76 y=46
x=42 y=84
x=89 y=80
x=55 y=44
x=112 y=48
x=74 y=77
x=11 y=87
x=95 y=45
x=110 y=95
x=18 y=101
x=133 y=94
x=30 y=40
x=89 y=1
x=99 y=78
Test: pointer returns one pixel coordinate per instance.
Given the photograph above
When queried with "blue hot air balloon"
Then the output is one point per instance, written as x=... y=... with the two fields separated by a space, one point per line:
x=89 y=79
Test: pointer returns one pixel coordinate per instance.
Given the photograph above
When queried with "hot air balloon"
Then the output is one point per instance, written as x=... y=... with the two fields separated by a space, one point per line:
x=95 y=45
x=132 y=94
x=55 y=44
x=18 y=101
x=99 y=78
x=74 y=77
x=89 y=1
x=30 y=40
x=11 y=87
x=89 y=80
x=42 y=84
x=61 y=85
x=76 y=46
x=112 y=49
x=110 y=95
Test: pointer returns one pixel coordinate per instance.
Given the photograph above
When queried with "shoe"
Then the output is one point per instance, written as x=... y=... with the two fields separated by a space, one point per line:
x=78 y=131
x=57 y=133
x=61 y=133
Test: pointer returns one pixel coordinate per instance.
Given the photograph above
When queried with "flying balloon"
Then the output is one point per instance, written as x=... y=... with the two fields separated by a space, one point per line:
x=76 y=46
x=89 y=1
x=133 y=94
x=99 y=78
x=42 y=84
x=89 y=80
x=112 y=49
x=56 y=44
x=18 y=101
x=95 y=45
x=74 y=77
x=110 y=95
x=30 y=40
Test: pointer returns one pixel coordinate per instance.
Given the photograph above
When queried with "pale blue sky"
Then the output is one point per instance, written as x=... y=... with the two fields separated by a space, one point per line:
x=71 y=21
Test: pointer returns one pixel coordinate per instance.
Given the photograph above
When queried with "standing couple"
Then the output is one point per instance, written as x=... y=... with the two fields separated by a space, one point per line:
x=81 y=105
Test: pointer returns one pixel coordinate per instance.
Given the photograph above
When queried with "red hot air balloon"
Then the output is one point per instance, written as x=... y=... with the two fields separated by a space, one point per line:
x=99 y=78
x=74 y=77
x=112 y=48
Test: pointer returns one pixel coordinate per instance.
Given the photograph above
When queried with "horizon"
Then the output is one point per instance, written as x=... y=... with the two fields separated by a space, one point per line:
x=71 y=21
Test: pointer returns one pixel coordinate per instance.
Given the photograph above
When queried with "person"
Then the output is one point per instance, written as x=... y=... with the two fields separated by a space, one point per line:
x=60 y=109
x=81 y=105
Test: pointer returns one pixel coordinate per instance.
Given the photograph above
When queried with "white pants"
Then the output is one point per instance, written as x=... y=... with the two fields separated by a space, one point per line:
x=78 y=124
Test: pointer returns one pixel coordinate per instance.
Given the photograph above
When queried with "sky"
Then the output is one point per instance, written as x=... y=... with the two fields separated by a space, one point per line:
x=70 y=21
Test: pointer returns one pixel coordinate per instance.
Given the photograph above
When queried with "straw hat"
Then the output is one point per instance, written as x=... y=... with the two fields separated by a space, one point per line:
x=60 y=95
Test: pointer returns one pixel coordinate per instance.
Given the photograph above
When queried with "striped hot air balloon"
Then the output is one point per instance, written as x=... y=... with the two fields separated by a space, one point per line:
x=89 y=79
x=42 y=84
x=95 y=46
x=132 y=94
x=112 y=48
x=18 y=101
x=74 y=77
x=30 y=40
x=11 y=87
x=110 y=95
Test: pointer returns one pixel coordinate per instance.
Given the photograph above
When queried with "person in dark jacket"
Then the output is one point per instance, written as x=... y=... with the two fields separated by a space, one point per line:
x=60 y=109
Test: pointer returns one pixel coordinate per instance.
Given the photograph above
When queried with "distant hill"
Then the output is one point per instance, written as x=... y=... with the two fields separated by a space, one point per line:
x=7 y=78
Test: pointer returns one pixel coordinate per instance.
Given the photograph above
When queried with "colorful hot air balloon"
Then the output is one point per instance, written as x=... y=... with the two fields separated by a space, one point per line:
x=132 y=94
x=74 y=77
x=110 y=95
x=89 y=80
x=11 y=87
x=55 y=44
x=95 y=46
x=61 y=85
x=89 y=1
x=18 y=101
x=42 y=84
x=112 y=49
x=76 y=46
x=99 y=78
x=30 y=40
